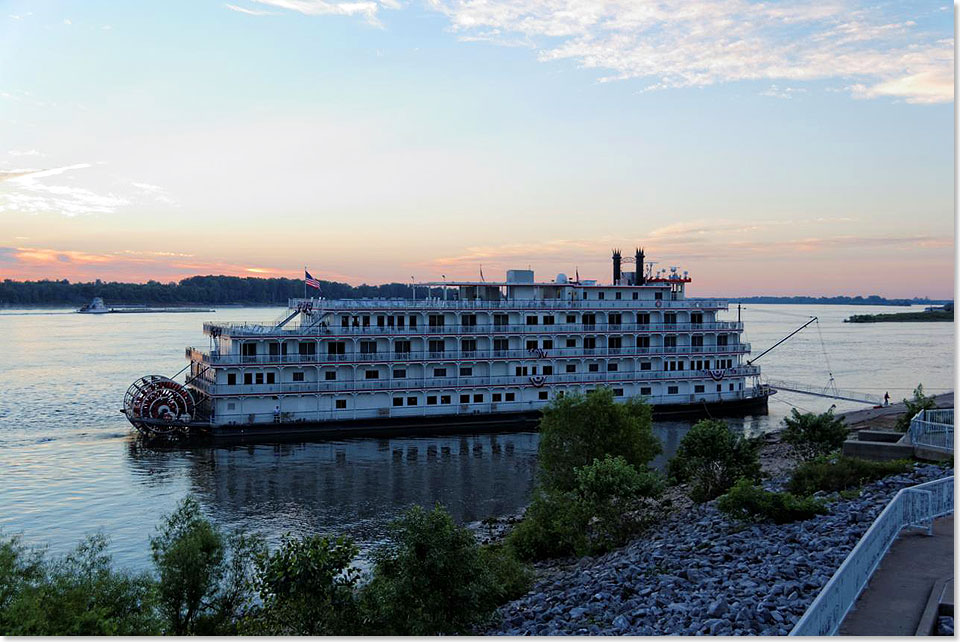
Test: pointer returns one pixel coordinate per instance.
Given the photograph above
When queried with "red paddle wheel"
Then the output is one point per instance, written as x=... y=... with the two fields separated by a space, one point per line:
x=158 y=405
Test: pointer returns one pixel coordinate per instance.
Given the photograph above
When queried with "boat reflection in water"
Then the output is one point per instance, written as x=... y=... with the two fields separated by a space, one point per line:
x=354 y=487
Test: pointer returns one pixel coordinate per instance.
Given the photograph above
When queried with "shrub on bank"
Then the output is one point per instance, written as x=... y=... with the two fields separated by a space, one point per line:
x=430 y=578
x=748 y=502
x=610 y=501
x=919 y=402
x=577 y=429
x=307 y=587
x=841 y=473
x=712 y=457
x=79 y=594
x=204 y=578
x=814 y=434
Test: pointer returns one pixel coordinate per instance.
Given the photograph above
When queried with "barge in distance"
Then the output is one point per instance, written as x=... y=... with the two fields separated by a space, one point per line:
x=486 y=356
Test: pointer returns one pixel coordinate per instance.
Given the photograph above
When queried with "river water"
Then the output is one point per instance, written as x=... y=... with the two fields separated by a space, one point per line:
x=70 y=466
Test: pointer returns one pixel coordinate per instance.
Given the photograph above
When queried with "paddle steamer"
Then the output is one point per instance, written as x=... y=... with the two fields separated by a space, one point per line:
x=486 y=354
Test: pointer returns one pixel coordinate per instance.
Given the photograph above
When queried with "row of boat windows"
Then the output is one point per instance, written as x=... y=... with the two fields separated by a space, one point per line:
x=470 y=320
x=254 y=378
x=508 y=397
x=402 y=346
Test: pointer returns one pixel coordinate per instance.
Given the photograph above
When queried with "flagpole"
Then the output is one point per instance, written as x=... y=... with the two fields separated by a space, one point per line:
x=304 y=281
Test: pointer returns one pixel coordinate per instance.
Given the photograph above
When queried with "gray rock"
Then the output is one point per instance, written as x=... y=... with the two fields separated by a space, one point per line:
x=621 y=622
x=717 y=608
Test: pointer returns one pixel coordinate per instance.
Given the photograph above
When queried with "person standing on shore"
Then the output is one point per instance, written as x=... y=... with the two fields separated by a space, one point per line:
x=886 y=399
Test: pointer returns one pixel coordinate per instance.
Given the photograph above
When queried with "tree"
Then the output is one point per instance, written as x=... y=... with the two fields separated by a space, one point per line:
x=430 y=578
x=608 y=503
x=919 y=402
x=307 y=587
x=712 y=458
x=812 y=434
x=577 y=429
x=204 y=578
x=79 y=594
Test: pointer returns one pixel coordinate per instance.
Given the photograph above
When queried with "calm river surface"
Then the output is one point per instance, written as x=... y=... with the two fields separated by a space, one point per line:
x=69 y=465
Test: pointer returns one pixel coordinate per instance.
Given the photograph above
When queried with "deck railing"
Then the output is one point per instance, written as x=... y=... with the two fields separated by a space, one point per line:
x=916 y=506
x=933 y=429
x=453 y=383
x=388 y=356
x=266 y=331
x=506 y=304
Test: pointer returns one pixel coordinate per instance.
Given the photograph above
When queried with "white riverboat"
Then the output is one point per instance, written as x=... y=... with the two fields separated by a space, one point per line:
x=487 y=354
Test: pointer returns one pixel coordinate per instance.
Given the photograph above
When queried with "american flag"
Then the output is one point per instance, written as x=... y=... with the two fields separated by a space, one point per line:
x=309 y=280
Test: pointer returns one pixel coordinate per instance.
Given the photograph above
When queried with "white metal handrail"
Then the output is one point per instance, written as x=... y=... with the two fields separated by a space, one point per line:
x=911 y=507
x=522 y=304
x=933 y=429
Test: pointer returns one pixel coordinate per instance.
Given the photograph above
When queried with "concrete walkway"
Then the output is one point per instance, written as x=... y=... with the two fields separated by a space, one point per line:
x=885 y=418
x=896 y=596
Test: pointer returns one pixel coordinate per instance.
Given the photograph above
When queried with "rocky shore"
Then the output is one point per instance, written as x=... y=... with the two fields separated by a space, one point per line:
x=698 y=572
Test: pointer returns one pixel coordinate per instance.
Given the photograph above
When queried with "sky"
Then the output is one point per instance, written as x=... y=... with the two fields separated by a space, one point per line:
x=765 y=147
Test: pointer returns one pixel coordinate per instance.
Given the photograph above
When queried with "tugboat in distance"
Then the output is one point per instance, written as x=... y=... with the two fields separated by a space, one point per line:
x=94 y=307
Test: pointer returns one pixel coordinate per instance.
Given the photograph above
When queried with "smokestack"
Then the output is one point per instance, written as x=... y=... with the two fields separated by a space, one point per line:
x=641 y=278
x=616 y=267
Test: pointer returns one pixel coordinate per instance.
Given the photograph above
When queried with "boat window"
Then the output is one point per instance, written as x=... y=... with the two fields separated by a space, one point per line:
x=341 y=404
x=398 y=401
x=571 y=367
x=672 y=390
x=399 y=373
x=464 y=398
x=466 y=371
x=231 y=379
x=298 y=376
x=371 y=374
x=478 y=398
x=432 y=400
x=645 y=391
x=645 y=365
x=411 y=401
x=330 y=376
x=496 y=397
x=543 y=395
x=509 y=396
x=612 y=367
x=439 y=372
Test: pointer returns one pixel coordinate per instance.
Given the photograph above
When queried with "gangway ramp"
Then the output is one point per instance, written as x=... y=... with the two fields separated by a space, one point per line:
x=828 y=392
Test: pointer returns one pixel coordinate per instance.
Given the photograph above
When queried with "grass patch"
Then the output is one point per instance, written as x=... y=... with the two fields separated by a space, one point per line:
x=748 y=502
x=842 y=473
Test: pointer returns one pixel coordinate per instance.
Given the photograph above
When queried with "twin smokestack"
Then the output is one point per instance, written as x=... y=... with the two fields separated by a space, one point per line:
x=638 y=276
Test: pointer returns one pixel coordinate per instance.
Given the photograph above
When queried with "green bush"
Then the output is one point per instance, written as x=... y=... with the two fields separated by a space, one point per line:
x=307 y=587
x=748 y=502
x=204 y=579
x=919 y=402
x=577 y=429
x=812 y=434
x=608 y=503
x=430 y=578
x=611 y=494
x=553 y=526
x=841 y=473
x=712 y=457
x=513 y=577
x=79 y=594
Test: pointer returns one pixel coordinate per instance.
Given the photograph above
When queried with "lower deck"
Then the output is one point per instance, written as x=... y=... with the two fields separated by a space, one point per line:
x=503 y=421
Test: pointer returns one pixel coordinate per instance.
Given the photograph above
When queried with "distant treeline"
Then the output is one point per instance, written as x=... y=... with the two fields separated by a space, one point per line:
x=873 y=299
x=234 y=290
x=204 y=290
x=933 y=315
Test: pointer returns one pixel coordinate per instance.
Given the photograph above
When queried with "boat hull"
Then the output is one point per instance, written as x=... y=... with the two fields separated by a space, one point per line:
x=453 y=424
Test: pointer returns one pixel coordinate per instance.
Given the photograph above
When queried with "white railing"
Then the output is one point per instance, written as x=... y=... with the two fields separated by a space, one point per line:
x=394 y=357
x=446 y=383
x=506 y=304
x=933 y=429
x=329 y=331
x=911 y=507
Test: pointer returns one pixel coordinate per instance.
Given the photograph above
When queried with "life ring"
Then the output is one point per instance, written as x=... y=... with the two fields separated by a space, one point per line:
x=659 y=303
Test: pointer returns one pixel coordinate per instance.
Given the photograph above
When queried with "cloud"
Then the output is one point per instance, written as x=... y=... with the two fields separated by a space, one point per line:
x=24 y=191
x=675 y=43
x=125 y=265
x=249 y=12
x=367 y=9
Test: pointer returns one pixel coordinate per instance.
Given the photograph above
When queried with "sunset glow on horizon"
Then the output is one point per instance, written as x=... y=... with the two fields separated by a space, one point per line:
x=784 y=149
